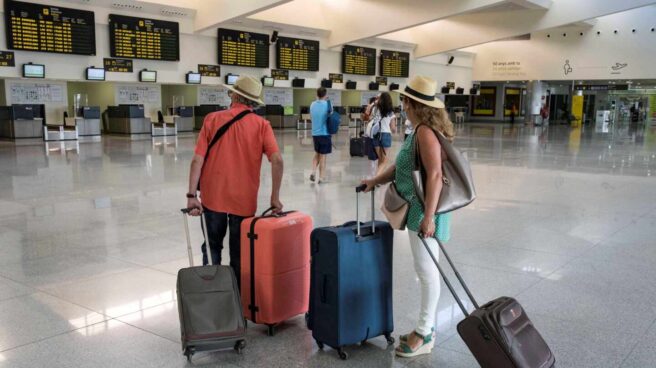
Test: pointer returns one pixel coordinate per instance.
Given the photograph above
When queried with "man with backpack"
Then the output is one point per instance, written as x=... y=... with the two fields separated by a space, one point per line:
x=229 y=156
x=323 y=145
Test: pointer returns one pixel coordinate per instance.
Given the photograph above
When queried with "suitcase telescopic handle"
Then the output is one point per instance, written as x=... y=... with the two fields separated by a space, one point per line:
x=359 y=189
x=190 y=253
x=446 y=279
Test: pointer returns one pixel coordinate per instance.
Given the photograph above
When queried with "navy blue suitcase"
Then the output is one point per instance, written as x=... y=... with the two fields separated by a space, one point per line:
x=351 y=283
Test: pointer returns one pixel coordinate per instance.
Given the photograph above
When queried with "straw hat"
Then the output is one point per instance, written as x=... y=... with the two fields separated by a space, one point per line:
x=247 y=86
x=423 y=89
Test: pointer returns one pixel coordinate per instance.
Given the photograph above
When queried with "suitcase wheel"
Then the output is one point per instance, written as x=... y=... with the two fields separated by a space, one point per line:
x=271 y=330
x=342 y=354
x=189 y=352
x=390 y=339
x=239 y=346
x=319 y=344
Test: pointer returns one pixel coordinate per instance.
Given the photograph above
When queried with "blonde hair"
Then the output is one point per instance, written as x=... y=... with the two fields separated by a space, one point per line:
x=436 y=119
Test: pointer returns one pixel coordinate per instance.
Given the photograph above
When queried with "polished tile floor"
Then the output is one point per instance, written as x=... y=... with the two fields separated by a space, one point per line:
x=91 y=240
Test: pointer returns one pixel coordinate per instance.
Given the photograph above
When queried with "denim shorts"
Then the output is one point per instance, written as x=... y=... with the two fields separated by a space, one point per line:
x=385 y=140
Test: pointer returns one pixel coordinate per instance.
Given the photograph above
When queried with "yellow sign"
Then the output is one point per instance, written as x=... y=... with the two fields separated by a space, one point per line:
x=577 y=110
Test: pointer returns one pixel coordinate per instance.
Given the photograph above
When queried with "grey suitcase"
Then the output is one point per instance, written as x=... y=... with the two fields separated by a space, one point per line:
x=499 y=333
x=209 y=305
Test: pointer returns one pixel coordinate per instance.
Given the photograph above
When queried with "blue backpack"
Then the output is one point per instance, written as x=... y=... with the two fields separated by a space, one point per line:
x=334 y=120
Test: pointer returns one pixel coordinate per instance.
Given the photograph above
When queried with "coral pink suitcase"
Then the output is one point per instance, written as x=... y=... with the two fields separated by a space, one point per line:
x=275 y=267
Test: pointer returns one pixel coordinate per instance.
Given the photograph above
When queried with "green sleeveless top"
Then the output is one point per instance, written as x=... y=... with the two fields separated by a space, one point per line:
x=406 y=187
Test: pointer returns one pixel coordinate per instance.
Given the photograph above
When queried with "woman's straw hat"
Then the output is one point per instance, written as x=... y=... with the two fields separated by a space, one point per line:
x=423 y=89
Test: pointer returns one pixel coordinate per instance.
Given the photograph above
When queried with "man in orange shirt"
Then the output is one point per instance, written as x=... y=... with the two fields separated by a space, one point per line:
x=231 y=167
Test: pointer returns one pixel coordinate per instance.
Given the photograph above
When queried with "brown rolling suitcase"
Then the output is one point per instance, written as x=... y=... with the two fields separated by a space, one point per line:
x=499 y=334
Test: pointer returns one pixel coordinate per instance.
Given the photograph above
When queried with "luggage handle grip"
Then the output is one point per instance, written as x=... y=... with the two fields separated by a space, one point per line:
x=446 y=279
x=359 y=189
x=269 y=213
x=208 y=250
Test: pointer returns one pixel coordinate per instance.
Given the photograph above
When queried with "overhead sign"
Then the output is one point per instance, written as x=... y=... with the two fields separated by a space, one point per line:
x=280 y=74
x=336 y=77
x=117 y=65
x=209 y=70
x=7 y=58
x=382 y=81
x=602 y=87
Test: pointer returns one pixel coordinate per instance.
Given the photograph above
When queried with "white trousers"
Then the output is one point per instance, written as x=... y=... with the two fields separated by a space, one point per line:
x=429 y=281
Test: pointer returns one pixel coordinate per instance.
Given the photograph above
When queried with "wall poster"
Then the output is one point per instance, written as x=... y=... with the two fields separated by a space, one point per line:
x=213 y=96
x=485 y=103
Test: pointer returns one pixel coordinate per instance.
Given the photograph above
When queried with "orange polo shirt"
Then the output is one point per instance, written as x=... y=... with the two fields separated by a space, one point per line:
x=230 y=178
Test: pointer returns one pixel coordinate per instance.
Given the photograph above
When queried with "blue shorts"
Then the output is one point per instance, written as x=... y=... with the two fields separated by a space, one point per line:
x=323 y=144
x=385 y=140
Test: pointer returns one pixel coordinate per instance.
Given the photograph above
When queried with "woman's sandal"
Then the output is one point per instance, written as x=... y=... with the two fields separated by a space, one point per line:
x=403 y=350
x=404 y=338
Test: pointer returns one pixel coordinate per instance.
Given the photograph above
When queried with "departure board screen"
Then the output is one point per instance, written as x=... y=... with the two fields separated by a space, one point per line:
x=297 y=54
x=45 y=28
x=394 y=64
x=141 y=38
x=358 y=60
x=243 y=48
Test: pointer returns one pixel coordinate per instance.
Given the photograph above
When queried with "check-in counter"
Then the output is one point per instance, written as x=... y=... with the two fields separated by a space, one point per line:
x=203 y=110
x=183 y=117
x=128 y=119
x=21 y=121
x=88 y=121
x=275 y=114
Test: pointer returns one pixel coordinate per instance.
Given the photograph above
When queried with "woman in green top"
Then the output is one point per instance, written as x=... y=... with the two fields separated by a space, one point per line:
x=428 y=115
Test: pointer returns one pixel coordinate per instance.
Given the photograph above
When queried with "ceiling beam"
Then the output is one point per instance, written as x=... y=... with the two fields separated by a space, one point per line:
x=479 y=28
x=211 y=13
x=363 y=19
x=533 y=4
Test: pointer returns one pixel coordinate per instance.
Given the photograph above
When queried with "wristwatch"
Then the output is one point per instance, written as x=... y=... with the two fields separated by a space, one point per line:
x=191 y=195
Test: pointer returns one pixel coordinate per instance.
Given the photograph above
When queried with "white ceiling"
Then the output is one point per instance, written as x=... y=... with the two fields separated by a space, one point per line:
x=424 y=27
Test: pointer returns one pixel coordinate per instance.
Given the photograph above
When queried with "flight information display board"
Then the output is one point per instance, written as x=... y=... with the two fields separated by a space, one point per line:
x=7 y=58
x=141 y=38
x=280 y=74
x=358 y=60
x=209 y=70
x=297 y=54
x=243 y=48
x=336 y=77
x=117 y=65
x=45 y=28
x=394 y=64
